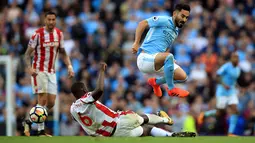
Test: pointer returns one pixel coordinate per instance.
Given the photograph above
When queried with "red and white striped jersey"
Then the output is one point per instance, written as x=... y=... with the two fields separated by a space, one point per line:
x=94 y=117
x=46 y=45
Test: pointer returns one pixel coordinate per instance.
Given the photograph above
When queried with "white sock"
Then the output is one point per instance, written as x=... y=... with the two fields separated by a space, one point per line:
x=157 y=132
x=40 y=126
x=155 y=119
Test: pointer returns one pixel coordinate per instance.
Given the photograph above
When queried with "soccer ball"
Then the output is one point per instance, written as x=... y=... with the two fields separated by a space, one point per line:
x=38 y=114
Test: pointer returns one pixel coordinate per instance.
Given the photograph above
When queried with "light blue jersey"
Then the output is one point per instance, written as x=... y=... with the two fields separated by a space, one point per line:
x=161 y=35
x=229 y=75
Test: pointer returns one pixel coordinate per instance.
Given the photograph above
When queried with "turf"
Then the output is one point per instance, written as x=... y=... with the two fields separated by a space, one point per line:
x=80 y=139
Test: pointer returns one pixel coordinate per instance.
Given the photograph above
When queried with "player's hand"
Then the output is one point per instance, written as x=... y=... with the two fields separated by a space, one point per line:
x=103 y=66
x=70 y=72
x=32 y=71
x=135 y=48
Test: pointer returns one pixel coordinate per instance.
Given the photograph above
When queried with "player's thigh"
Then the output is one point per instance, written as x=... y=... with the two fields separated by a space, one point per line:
x=135 y=132
x=160 y=60
x=179 y=73
x=128 y=125
x=39 y=83
x=52 y=84
x=221 y=102
x=147 y=130
x=233 y=102
x=233 y=99
x=145 y=63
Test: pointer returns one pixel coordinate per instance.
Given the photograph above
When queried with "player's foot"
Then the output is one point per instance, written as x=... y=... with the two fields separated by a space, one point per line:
x=200 y=118
x=164 y=115
x=27 y=127
x=232 y=135
x=156 y=88
x=43 y=134
x=177 y=92
x=184 y=134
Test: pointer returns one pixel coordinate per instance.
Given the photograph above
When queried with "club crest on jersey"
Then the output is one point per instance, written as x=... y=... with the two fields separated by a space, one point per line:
x=51 y=44
x=155 y=18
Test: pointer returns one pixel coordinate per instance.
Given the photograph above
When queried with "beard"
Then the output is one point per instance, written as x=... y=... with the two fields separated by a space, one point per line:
x=179 y=23
x=50 y=26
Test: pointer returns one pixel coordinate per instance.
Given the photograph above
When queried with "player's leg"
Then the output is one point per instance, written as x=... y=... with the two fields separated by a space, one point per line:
x=39 y=86
x=50 y=100
x=52 y=91
x=233 y=119
x=42 y=101
x=156 y=119
x=145 y=63
x=180 y=76
x=49 y=104
x=233 y=102
x=149 y=130
x=166 y=60
x=220 y=126
x=221 y=104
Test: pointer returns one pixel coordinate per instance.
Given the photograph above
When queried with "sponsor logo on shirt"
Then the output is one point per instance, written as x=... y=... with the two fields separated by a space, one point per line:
x=50 y=44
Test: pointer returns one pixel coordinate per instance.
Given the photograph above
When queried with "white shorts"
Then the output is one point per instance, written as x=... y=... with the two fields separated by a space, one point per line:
x=44 y=82
x=145 y=63
x=129 y=125
x=223 y=101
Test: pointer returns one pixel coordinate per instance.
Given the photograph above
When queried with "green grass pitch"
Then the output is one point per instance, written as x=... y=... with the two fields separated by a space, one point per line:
x=84 y=139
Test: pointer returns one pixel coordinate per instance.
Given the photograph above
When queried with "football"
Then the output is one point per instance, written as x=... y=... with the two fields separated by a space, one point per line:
x=38 y=114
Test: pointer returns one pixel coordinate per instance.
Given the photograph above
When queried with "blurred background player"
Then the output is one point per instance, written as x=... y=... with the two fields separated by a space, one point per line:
x=45 y=44
x=98 y=120
x=226 y=95
x=153 y=54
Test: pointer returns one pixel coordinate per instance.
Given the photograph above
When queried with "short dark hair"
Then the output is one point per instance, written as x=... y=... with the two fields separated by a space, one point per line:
x=181 y=6
x=50 y=13
x=77 y=88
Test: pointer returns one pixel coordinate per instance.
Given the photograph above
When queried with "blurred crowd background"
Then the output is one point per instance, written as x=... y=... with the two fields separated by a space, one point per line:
x=103 y=30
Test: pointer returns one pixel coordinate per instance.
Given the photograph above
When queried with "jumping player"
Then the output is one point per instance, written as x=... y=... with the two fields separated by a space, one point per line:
x=153 y=54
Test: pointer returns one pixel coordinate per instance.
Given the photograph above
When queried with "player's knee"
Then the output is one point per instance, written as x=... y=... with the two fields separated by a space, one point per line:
x=169 y=60
x=185 y=78
x=146 y=130
x=145 y=119
x=50 y=104
x=234 y=109
x=220 y=112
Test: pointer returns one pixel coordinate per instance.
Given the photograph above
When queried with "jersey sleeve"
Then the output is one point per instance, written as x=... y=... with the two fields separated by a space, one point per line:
x=61 y=40
x=87 y=98
x=222 y=69
x=33 y=40
x=157 y=21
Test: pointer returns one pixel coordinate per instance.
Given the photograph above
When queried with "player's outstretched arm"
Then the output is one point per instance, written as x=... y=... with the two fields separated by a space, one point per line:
x=98 y=92
x=138 y=34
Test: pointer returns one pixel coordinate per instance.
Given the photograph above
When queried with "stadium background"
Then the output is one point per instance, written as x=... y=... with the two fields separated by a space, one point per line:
x=104 y=30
